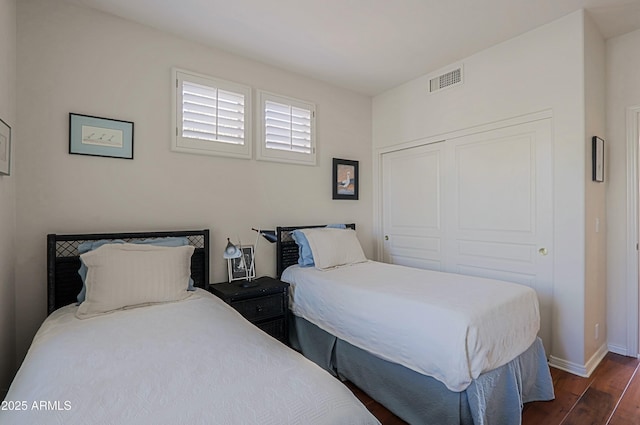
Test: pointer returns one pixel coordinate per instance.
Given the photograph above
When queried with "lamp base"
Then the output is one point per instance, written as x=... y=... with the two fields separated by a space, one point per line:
x=248 y=284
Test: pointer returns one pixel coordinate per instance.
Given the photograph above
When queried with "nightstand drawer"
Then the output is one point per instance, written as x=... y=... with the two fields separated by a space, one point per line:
x=265 y=303
x=261 y=308
x=275 y=328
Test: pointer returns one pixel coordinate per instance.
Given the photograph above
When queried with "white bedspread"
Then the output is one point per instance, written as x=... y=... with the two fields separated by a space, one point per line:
x=190 y=362
x=448 y=326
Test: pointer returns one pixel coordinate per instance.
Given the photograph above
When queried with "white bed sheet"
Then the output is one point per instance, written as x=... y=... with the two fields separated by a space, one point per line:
x=449 y=326
x=195 y=361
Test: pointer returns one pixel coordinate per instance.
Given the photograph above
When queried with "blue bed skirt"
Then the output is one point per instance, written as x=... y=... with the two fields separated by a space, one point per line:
x=495 y=398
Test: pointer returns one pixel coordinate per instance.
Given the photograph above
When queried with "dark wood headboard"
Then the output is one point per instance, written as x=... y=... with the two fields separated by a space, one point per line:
x=286 y=247
x=64 y=282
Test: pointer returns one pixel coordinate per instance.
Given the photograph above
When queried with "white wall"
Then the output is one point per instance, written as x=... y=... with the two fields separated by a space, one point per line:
x=595 y=194
x=73 y=59
x=7 y=195
x=623 y=91
x=540 y=70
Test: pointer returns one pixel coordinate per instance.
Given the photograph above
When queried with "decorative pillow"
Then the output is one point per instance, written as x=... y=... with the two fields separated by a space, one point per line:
x=91 y=245
x=336 y=226
x=128 y=275
x=334 y=247
x=305 y=256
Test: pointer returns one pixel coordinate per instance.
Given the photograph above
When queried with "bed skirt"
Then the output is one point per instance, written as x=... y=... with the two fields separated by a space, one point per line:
x=495 y=398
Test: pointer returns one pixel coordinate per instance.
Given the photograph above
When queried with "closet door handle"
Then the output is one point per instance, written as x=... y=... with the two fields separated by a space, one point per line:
x=543 y=251
x=386 y=237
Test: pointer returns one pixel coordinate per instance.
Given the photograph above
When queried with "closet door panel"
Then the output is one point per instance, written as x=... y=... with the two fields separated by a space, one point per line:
x=495 y=184
x=412 y=206
x=500 y=211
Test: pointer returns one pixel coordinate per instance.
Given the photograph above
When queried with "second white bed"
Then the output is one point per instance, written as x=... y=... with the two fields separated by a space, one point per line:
x=448 y=326
x=195 y=361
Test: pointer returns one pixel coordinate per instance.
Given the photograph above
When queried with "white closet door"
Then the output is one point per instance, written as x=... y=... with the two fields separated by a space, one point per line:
x=500 y=221
x=412 y=205
x=479 y=205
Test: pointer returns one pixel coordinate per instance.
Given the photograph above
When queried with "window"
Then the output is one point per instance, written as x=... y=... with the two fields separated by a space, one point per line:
x=212 y=116
x=287 y=129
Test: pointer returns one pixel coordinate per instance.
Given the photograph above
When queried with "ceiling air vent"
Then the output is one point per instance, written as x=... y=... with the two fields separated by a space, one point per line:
x=448 y=79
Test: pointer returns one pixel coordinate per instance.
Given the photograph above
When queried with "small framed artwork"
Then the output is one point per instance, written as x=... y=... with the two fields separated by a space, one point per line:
x=237 y=267
x=5 y=148
x=100 y=136
x=345 y=179
x=597 y=148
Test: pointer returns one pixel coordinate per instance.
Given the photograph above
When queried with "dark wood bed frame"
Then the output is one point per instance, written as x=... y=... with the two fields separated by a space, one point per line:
x=63 y=261
x=287 y=249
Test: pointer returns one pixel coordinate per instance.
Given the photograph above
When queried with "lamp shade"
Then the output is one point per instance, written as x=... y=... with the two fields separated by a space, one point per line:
x=231 y=251
x=269 y=235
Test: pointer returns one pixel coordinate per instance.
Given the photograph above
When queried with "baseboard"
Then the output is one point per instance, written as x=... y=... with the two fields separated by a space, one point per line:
x=568 y=366
x=597 y=357
x=577 y=369
x=618 y=349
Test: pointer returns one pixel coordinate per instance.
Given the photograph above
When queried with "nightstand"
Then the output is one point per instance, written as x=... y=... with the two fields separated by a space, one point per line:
x=265 y=305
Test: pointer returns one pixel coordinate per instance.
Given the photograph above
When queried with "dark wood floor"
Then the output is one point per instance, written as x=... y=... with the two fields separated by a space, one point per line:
x=610 y=396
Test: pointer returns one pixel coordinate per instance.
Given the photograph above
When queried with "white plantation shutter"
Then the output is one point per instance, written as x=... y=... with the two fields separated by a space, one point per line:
x=287 y=128
x=212 y=116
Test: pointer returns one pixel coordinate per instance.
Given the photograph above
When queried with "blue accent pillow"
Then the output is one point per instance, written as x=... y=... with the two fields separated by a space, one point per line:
x=170 y=241
x=336 y=226
x=305 y=256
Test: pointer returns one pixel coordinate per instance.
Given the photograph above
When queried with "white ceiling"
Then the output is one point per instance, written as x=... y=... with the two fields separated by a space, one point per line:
x=367 y=46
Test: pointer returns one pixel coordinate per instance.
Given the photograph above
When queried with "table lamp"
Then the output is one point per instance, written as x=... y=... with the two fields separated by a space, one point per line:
x=232 y=251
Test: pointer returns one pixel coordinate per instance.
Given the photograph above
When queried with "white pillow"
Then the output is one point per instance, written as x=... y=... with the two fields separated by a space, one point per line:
x=125 y=275
x=334 y=247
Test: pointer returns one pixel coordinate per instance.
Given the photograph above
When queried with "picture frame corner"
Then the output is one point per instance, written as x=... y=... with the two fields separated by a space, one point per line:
x=598 y=159
x=5 y=148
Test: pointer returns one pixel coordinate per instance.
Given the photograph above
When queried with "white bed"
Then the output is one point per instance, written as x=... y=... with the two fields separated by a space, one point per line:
x=451 y=327
x=191 y=361
x=194 y=361
x=432 y=347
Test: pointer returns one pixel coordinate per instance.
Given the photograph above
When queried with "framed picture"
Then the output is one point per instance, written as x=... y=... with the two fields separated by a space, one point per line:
x=100 y=136
x=237 y=267
x=345 y=179
x=5 y=148
x=597 y=147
